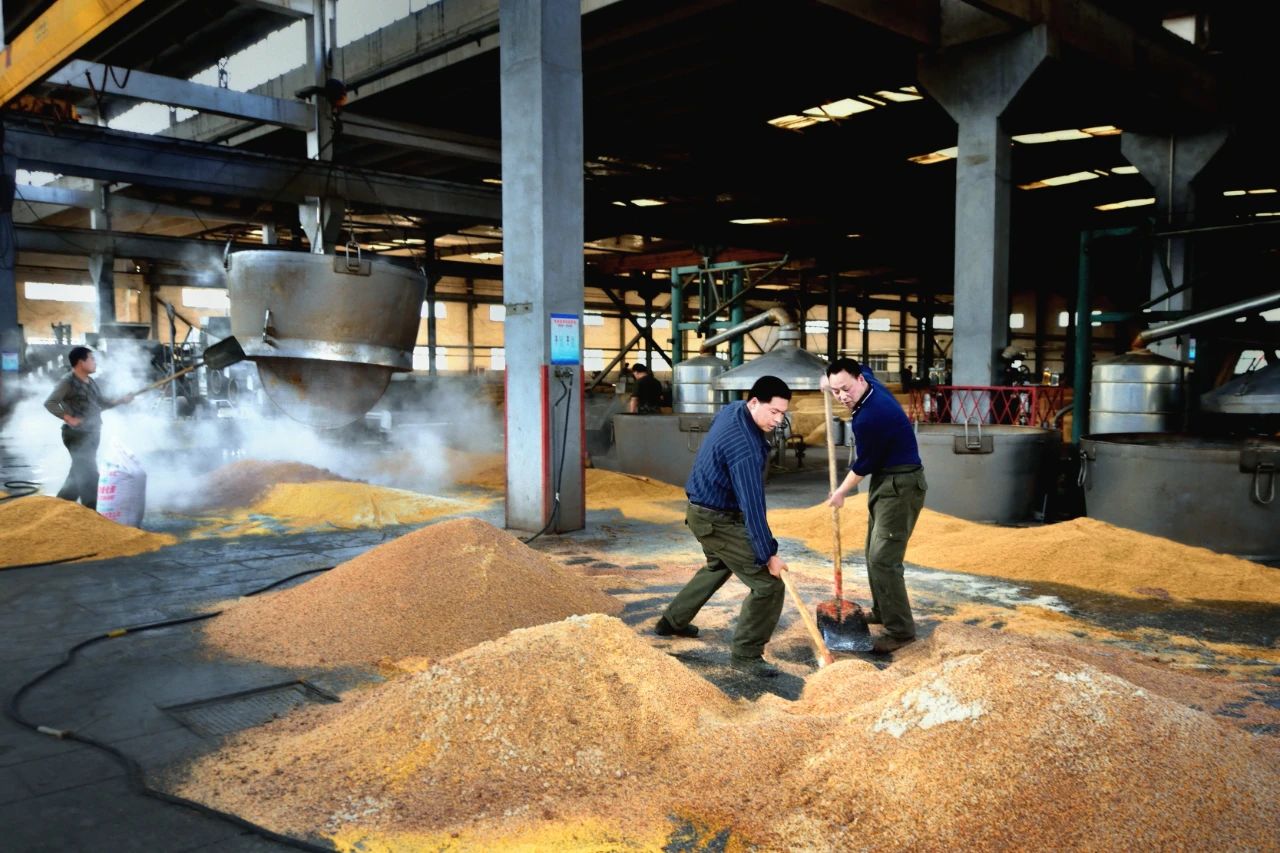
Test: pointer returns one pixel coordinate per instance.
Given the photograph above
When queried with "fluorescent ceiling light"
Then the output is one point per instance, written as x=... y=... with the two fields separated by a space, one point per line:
x=840 y=109
x=759 y=220
x=936 y=156
x=795 y=122
x=1066 y=135
x=851 y=236
x=1125 y=170
x=870 y=100
x=1118 y=205
x=1234 y=192
x=899 y=97
x=1268 y=213
x=1059 y=180
x=1264 y=191
x=497 y=182
x=647 y=202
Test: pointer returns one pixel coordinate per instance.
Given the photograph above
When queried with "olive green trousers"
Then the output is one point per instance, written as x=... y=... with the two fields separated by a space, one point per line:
x=724 y=541
x=895 y=497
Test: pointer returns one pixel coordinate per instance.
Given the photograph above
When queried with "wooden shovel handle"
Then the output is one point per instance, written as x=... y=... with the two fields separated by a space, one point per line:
x=168 y=379
x=836 y=549
x=823 y=653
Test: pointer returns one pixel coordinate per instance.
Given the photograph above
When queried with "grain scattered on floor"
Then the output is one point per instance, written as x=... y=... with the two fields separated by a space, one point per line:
x=41 y=529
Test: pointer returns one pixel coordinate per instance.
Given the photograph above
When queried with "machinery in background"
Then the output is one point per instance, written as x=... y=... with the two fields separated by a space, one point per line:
x=1197 y=470
x=664 y=446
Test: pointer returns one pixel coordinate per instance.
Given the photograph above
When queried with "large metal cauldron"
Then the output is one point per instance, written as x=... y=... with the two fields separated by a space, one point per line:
x=326 y=332
x=992 y=473
x=692 y=389
x=1215 y=493
x=1136 y=392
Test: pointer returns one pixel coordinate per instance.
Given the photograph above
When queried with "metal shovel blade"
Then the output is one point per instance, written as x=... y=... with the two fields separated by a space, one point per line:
x=224 y=353
x=843 y=626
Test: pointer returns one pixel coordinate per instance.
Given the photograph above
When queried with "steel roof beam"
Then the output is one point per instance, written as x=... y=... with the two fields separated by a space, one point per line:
x=99 y=80
x=113 y=155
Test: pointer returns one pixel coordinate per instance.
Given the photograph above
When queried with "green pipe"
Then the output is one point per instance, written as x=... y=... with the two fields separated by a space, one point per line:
x=1084 y=326
x=737 y=315
x=677 y=335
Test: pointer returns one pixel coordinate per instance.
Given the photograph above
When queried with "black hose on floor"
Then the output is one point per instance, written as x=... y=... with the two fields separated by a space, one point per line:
x=136 y=776
x=19 y=489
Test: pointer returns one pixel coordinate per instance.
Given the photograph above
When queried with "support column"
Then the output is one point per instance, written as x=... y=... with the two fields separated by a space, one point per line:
x=738 y=314
x=976 y=86
x=1170 y=164
x=540 y=43
x=102 y=264
x=833 y=319
x=321 y=218
x=677 y=317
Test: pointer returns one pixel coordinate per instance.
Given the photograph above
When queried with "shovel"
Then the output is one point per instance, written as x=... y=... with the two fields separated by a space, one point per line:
x=224 y=353
x=820 y=649
x=841 y=623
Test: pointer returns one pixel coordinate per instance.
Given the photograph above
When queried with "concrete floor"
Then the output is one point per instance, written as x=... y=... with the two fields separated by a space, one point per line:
x=64 y=796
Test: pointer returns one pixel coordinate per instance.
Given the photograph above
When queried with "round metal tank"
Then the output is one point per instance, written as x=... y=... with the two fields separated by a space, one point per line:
x=326 y=332
x=692 y=392
x=1214 y=493
x=992 y=473
x=1136 y=392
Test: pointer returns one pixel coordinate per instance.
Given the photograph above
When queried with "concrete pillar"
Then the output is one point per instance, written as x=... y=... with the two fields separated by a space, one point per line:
x=975 y=86
x=540 y=43
x=1170 y=164
x=102 y=265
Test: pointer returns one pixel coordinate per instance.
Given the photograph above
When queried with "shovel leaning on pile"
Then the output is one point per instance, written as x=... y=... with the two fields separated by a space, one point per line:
x=841 y=623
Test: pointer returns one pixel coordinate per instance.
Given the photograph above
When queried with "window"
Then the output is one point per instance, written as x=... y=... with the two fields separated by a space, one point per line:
x=875 y=324
x=1017 y=321
x=497 y=358
x=593 y=359
x=1250 y=359
x=943 y=322
x=206 y=297
x=442 y=310
x=1064 y=319
x=498 y=313
x=662 y=323
x=878 y=362
x=592 y=318
x=815 y=327
x=47 y=291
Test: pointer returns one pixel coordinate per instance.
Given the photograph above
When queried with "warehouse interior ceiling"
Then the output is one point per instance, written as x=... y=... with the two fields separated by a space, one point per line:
x=743 y=130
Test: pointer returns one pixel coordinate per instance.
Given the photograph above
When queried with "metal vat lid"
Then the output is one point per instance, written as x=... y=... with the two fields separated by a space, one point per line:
x=1138 y=366
x=801 y=370
x=1254 y=393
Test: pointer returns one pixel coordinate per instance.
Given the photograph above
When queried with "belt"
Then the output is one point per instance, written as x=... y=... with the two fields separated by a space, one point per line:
x=900 y=469
x=731 y=513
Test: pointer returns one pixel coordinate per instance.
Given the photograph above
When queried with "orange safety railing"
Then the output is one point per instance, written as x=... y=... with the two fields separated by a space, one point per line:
x=1025 y=405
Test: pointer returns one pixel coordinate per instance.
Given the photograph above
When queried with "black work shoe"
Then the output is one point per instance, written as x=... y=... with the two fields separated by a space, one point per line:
x=884 y=644
x=758 y=667
x=666 y=629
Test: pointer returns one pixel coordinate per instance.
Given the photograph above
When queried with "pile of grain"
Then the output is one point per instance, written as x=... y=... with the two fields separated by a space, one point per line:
x=1083 y=552
x=326 y=504
x=239 y=484
x=527 y=723
x=40 y=529
x=582 y=723
x=485 y=470
x=430 y=593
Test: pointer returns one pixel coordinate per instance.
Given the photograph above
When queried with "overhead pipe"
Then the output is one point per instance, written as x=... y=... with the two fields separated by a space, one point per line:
x=776 y=314
x=1225 y=312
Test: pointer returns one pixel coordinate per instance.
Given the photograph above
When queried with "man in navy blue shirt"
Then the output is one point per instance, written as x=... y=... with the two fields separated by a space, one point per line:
x=727 y=514
x=888 y=453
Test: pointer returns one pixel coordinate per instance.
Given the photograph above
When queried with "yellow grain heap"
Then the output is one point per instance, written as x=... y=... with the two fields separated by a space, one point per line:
x=326 y=504
x=430 y=593
x=1083 y=552
x=239 y=484
x=40 y=529
x=562 y=729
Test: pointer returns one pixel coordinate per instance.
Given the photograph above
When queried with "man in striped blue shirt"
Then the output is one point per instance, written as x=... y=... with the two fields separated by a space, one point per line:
x=727 y=514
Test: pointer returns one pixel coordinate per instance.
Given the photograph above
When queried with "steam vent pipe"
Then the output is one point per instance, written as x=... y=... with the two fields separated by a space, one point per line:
x=773 y=315
x=1226 y=312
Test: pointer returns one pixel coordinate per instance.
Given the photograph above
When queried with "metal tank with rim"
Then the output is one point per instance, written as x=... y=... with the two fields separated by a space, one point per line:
x=986 y=472
x=692 y=389
x=326 y=332
x=1138 y=391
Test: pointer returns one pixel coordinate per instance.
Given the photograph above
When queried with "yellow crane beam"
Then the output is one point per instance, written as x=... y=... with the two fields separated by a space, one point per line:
x=53 y=38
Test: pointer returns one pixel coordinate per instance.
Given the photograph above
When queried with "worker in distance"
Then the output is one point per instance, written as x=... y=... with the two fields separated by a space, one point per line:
x=887 y=453
x=647 y=397
x=78 y=402
x=727 y=515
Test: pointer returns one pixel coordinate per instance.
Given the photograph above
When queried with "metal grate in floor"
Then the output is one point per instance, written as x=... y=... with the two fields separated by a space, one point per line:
x=233 y=712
